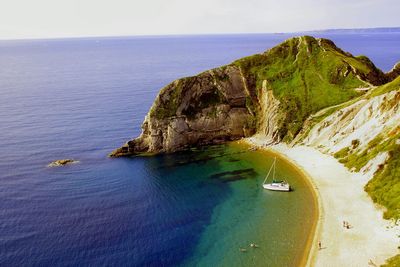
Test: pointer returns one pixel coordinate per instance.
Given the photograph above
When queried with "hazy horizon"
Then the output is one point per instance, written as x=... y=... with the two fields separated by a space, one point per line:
x=47 y=19
x=199 y=34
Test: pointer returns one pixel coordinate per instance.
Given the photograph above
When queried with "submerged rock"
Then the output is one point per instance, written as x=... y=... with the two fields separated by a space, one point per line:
x=62 y=162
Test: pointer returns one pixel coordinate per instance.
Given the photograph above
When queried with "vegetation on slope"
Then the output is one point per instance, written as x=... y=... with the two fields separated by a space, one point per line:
x=393 y=262
x=322 y=114
x=384 y=187
x=167 y=101
x=307 y=75
x=173 y=95
x=393 y=73
x=395 y=84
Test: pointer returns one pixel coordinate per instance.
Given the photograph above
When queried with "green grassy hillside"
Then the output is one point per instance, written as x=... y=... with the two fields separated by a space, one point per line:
x=393 y=262
x=307 y=75
x=393 y=85
x=384 y=187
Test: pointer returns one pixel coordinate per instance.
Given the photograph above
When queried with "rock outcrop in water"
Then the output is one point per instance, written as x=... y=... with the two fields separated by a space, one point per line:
x=62 y=162
x=272 y=93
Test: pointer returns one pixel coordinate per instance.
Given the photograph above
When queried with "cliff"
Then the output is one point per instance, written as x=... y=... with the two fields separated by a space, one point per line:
x=394 y=72
x=208 y=108
x=272 y=93
x=365 y=136
x=303 y=91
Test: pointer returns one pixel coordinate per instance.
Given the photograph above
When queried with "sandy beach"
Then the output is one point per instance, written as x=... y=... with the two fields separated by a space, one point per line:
x=369 y=240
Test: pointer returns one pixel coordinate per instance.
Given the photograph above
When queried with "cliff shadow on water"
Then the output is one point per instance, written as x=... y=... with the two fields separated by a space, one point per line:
x=219 y=207
x=280 y=224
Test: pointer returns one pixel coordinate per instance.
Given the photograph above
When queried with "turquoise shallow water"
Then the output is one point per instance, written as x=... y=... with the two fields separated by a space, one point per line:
x=280 y=223
x=81 y=98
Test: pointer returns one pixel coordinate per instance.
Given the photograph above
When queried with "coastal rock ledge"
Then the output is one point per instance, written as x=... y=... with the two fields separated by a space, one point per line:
x=273 y=94
x=204 y=109
x=62 y=162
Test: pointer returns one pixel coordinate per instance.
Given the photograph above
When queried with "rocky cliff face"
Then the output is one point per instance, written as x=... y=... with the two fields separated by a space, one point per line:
x=393 y=73
x=272 y=93
x=211 y=107
x=363 y=120
x=269 y=115
x=364 y=134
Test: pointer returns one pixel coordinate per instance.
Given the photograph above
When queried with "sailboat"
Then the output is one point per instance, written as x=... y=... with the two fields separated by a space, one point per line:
x=275 y=185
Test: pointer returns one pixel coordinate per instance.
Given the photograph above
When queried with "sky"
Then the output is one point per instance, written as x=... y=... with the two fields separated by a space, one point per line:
x=21 y=19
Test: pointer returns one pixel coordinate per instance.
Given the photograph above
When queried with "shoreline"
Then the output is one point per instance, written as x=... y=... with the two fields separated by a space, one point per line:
x=312 y=242
x=370 y=240
x=309 y=254
x=311 y=249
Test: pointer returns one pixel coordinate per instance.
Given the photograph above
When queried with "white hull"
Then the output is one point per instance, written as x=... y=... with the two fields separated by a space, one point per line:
x=277 y=187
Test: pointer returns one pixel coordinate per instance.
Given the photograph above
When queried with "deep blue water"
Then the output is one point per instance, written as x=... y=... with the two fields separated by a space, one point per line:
x=81 y=98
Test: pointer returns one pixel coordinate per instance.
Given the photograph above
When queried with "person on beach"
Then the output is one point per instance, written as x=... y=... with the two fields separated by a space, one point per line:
x=319 y=245
x=346 y=225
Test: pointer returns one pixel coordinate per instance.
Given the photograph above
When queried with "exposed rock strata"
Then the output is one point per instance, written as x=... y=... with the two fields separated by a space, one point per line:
x=271 y=93
x=207 y=109
x=394 y=72
x=364 y=120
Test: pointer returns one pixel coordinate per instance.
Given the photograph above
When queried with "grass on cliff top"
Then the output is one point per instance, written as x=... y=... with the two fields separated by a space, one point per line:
x=391 y=86
x=306 y=75
x=322 y=114
x=392 y=262
x=171 y=96
x=164 y=108
x=384 y=187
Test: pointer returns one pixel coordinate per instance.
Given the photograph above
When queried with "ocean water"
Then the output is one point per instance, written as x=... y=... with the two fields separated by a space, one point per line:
x=81 y=98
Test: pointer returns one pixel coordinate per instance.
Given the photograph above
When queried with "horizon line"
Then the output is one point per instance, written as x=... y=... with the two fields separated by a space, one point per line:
x=194 y=34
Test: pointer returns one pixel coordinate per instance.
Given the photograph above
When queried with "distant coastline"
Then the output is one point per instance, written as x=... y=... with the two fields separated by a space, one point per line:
x=358 y=30
x=290 y=33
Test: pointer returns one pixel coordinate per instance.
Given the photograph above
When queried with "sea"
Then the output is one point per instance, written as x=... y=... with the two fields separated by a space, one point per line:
x=81 y=98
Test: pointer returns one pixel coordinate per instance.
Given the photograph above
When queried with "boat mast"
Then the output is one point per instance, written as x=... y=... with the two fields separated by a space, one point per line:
x=273 y=176
x=272 y=166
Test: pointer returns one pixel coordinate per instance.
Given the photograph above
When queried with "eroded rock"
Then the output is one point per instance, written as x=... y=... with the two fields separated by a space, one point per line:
x=62 y=162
